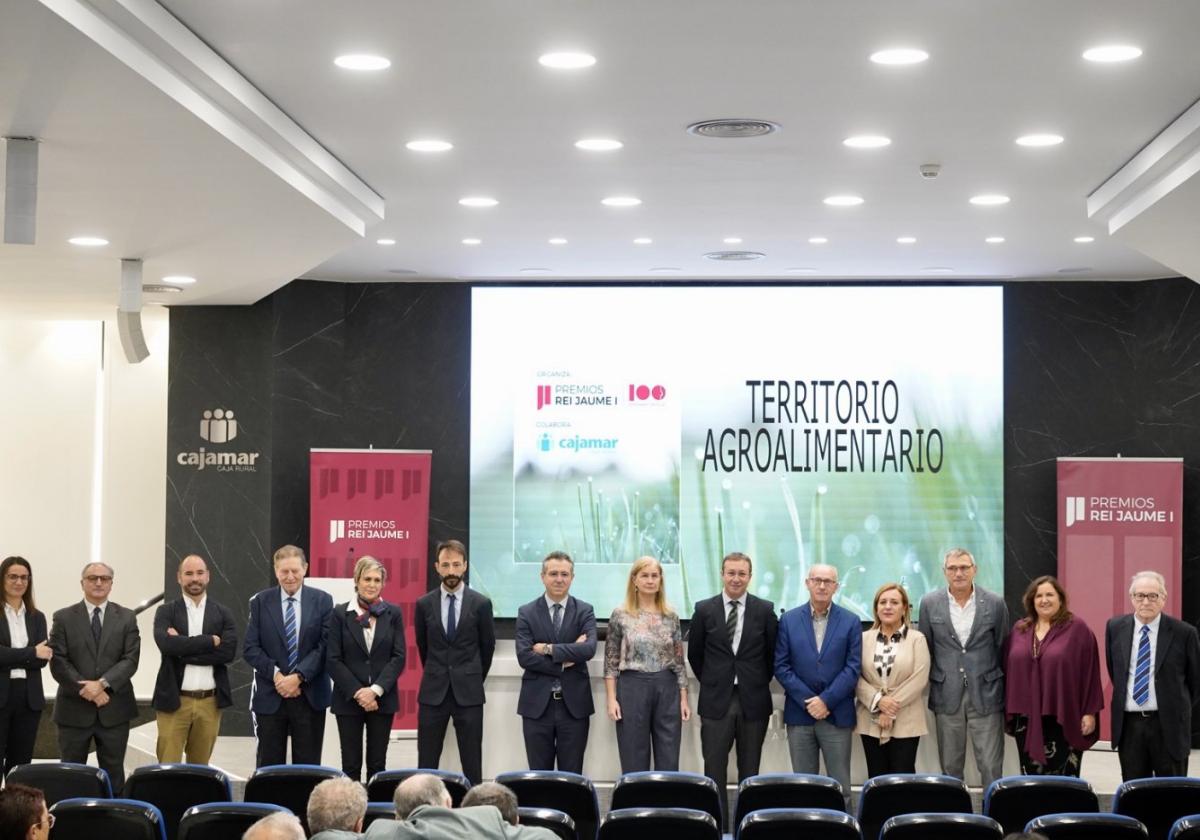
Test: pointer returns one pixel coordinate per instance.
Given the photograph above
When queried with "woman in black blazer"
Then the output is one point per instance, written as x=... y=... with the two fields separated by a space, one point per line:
x=366 y=657
x=23 y=655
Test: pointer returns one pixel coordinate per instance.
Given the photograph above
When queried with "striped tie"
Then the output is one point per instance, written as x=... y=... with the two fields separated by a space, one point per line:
x=289 y=630
x=731 y=621
x=1141 y=674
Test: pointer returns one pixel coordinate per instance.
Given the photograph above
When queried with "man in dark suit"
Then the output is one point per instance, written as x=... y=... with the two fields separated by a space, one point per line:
x=285 y=645
x=198 y=639
x=1154 y=665
x=96 y=648
x=731 y=648
x=555 y=639
x=456 y=640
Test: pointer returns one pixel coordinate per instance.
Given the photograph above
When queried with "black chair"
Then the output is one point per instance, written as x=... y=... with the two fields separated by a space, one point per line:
x=787 y=790
x=659 y=824
x=288 y=785
x=223 y=820
x=1088 y=827
x=378 y=811
x=173 y=788
x=59 y=780
x=382 y=786
x=570 y=793
x=1158 y=803
x=909 y=793
x=941 y=827
x=126 y=819
x=558 y=822
x=1015 y=800
x=659 y=789
x=1186 y=828
x=798 y=824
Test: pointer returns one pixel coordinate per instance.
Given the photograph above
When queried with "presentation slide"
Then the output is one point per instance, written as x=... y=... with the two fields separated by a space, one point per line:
x=860 y=427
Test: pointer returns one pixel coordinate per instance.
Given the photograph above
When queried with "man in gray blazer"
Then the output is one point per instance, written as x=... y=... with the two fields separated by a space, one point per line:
x=965 y=626
x=96 y=648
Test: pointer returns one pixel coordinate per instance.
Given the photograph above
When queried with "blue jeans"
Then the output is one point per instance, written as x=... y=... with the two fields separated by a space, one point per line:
x=807 y=743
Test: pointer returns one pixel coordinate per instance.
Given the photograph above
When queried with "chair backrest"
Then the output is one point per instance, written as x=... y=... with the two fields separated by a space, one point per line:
x=1088 y=827
x=87 y=818
x=909 y=793
x=59 y=780
x=288 y=785
x=378 y=811
x=173 y=788
x=1158 y=802
x=570 y=793
x=798 y=824
x=1014 y=800
x=382 y=786
x=558 y=822
x=941 y=827
x=658 y=789
x=658 y=824
x=223 y=820
x=1186 y=828
x=787 y=790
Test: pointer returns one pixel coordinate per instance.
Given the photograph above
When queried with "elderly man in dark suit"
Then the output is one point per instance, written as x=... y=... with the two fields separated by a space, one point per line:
x=731 y=648
x=456 y=640
x=96 y=648
x=555 y=639
x=1154 y=665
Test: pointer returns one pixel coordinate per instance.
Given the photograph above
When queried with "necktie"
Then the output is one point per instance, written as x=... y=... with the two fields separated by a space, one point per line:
x=96 y=624
x=451 y=621
x=731 y=621
x=557 y=621
x=1141 y=674
x=289 y=630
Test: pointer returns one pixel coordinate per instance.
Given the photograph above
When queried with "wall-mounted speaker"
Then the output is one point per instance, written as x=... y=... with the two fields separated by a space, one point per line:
x=129 y=312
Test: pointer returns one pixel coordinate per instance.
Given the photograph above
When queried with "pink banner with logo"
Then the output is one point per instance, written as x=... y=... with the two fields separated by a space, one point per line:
x=376 y=502
x=1116 y=517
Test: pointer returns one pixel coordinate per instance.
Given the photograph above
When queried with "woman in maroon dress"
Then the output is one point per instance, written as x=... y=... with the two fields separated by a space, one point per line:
x=1052 y=673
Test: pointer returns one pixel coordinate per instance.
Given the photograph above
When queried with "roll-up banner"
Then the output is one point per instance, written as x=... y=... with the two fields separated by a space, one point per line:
x=1117 y=517
x=373 y=502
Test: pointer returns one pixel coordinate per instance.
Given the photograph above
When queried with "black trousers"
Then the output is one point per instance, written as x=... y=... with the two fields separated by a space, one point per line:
x=896 y=755
x=717 y=737
x=468 y=731
x=555 y=735
x=18 y=727
x=350 y=733
x=74 y=744
x=1143 y=751
x=295 y=718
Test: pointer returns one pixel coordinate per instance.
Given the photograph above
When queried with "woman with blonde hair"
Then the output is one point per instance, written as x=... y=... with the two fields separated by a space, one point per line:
x=644 y=676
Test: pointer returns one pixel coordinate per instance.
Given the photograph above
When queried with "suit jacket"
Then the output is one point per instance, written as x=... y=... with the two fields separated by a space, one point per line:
x=353 y=667
x=266 y=647
x=711 y=655
x=479 y=822
x=1176 y=678
x=831 y=674
x=534 y=626
x=23 y=657
x=980 y=662
x=77 y=657
x=906 y=683
x=460 y=666
x=182 y=650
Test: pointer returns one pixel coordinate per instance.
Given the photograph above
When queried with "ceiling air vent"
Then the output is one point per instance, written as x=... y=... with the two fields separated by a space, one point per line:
x=159 y=288
x=734 y=256
x=732 y=128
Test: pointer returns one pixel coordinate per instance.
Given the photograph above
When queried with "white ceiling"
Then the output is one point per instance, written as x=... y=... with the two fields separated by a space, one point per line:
x=151 y=136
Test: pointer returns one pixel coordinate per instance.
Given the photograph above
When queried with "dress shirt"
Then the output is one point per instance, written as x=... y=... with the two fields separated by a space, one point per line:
x=197 y=677
x=550 y=602
x=91 y=608
x=458 y=599
x=820 y=623
x=283 y=605
x=736 y=641
x=1151 y=704
x=18 y=634
x=962 y=618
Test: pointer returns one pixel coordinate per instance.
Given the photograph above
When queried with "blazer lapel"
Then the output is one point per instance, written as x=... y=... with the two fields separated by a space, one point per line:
x=359 y=632
x=806 y=627
x=85 y=613
x=1165 y=635
x=982 y=614
x=275 y=610
x=466 y=613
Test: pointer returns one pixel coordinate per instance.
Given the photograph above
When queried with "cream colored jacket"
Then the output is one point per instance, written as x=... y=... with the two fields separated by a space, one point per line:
x=907 y=682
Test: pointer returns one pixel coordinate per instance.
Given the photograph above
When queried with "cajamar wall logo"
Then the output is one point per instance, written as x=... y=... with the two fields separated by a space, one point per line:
x=220 y=426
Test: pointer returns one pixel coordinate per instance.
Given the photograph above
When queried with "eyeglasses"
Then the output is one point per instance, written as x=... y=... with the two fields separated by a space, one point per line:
x=1152 y=597
x=16 y=578
x=955 y=570
x=49 y=821
x=98 y=578
x=822 y=581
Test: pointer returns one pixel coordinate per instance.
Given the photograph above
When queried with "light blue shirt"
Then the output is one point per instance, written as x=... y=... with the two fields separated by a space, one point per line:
x=283 y=603
x=1151 y=704
x=458 y=599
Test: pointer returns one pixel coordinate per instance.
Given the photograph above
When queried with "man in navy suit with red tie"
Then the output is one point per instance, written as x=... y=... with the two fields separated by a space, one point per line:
x=285 y=645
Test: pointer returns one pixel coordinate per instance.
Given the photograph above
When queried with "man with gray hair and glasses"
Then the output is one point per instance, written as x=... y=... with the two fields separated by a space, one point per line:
x=423 y=812
x=965 y=626
x=336 y=808
x=278 y=826
x=1154 y=664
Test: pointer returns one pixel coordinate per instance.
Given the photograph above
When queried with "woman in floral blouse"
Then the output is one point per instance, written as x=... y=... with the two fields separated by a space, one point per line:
x=644 y=675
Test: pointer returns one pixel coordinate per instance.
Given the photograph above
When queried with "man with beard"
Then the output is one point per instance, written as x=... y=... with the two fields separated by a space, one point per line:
x=456 y=640
x=198 y=639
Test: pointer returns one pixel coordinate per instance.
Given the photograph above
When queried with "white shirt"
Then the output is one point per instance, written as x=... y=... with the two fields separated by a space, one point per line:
x=962 y=618
x=17 y=633
x=458 y=599
x=550 y=602
x=736 y=641
x=91 y=608
x=197 y=677
x=1151 y=704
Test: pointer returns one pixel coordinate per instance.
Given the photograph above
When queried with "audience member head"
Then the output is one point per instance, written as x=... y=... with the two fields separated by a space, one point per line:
x=420 y=789
x=337 y=804
x=17 y=579
x=277 y=826
x=495 y=794
x=23 y=814
x=646 y=579
x=1025 y=835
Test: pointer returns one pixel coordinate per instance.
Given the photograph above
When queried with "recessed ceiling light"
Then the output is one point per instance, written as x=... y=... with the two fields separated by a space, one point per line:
x=994 y=240
x=867 y=141
x=478 y=201
x=385 y=241
x=732 y=240
x=666 y=269
x=899 y=55
x=535 y=271
x=1037 y=140
x=989 y=199
x=843 y=200
x=88 y=241
x=620 y=201
x=179 y=280
x=801 y=270
x=160 y=289
x=1076 y=270
x=734 y=256
x=1109 y=53
x=567 y=60
x=817 y=240
x=906 y=240
x=938 y=269
x=557 y=240
x=429 y=145
x=402 y=271
x=472 y=241
x=598 y=144
x=362 y=61
x=1083 y=240
x=643 y=240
